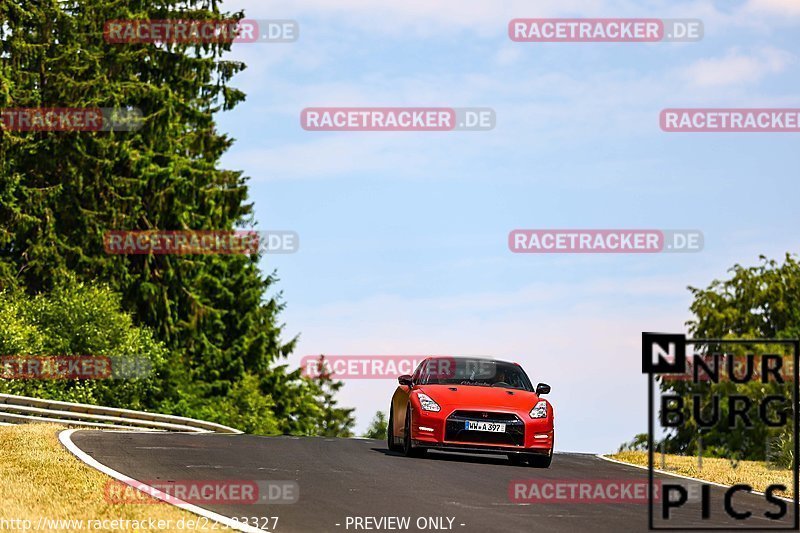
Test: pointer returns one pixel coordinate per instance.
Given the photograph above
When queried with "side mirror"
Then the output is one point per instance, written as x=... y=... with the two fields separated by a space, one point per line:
x=405 y=379
x=542 y=388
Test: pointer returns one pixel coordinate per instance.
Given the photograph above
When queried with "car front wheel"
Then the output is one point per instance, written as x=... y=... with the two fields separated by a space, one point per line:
x=516 y=459
x=408 y=446
x=390 y=432
x=541 y=461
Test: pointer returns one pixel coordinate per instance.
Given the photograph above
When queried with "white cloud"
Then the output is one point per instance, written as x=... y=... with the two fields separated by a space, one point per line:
x=737 y=68
x=508 y=55
x=617 y=100
x=778 y=8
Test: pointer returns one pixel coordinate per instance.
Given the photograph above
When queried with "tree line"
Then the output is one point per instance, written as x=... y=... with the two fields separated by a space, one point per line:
x=209 y=323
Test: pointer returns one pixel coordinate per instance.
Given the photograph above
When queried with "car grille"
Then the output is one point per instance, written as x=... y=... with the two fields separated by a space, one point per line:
x=513 y=436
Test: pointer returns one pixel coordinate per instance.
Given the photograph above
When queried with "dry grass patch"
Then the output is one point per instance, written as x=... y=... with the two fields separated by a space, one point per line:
x=753 y=473
x=40 y=478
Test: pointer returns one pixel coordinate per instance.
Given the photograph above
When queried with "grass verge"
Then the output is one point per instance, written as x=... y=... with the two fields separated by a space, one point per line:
x=723 y=471
x=40 y=479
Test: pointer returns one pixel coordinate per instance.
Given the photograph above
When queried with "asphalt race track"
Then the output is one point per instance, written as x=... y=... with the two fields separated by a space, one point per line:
x=341 y=478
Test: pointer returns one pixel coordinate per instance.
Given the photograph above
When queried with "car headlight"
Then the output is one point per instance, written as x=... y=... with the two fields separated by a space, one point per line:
x=427 y=403
x=540 y=410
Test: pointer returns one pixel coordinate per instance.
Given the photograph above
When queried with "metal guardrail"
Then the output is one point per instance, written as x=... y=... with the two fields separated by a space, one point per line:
x=23 y=410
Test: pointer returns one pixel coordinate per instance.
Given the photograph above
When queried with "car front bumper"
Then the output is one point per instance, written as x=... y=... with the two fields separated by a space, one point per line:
x=446 y=431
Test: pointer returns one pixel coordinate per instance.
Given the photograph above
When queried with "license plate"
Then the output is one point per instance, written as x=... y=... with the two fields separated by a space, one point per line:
x=494 y=427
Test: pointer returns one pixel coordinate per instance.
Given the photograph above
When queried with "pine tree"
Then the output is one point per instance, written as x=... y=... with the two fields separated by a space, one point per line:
x=335 y=421
x=60 y=192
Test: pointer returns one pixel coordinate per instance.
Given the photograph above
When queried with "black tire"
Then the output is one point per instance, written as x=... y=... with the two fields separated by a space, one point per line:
x=390 y=432
x=408 y=446
x=540 y=461
x=516 y=459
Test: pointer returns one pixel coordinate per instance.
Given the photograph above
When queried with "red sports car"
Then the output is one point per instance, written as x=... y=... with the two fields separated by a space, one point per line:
x=472 y=405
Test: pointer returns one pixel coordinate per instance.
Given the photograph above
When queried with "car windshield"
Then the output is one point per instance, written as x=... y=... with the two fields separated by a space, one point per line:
x=473 y=372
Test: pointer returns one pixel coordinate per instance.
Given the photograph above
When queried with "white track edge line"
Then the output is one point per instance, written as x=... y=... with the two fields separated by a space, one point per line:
x=604 y=458
x=65 y=438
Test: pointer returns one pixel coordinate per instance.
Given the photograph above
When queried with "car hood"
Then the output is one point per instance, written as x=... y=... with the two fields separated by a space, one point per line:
x=461 y=396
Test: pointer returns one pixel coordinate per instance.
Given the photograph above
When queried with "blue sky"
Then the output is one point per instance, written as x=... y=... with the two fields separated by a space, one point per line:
x=404 y=235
